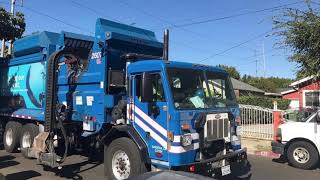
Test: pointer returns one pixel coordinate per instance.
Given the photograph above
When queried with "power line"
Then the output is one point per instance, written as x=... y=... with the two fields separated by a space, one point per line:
x=92 y=10
x=236 y=15
x=235 y=46
x=206 y=21
x=53 y=18
x=161 y=19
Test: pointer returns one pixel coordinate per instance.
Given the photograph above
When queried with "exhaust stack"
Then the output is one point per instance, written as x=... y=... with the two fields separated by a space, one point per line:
x=166 y=45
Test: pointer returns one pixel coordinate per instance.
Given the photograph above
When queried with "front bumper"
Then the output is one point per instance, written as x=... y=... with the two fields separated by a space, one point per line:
x=212 y=167
x=277 y=147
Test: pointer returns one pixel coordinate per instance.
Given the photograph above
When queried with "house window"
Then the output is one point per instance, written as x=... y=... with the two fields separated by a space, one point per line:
x=311 y=98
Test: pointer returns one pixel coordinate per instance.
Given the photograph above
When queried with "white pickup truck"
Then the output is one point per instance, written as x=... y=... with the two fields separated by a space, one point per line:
x=299 y=141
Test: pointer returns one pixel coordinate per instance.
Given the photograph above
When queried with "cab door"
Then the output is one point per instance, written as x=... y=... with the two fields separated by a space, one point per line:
x=150 y=116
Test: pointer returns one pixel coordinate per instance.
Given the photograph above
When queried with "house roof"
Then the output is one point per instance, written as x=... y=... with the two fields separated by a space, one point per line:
x=301 y=81
x=288 y=91
x=244 y=86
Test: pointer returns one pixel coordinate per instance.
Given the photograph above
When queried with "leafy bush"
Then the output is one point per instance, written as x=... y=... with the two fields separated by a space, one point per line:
x=263 y=102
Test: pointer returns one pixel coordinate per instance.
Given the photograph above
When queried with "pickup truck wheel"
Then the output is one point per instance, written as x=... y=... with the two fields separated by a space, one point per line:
x=11 y=136
x=122 y=160
x=302 y=155
x=28 y=133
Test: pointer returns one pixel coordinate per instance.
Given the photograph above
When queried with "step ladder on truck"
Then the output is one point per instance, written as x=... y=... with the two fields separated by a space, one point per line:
x=118 y=93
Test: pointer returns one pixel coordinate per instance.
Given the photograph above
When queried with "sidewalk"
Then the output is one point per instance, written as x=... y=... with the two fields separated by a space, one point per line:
x=258 y=147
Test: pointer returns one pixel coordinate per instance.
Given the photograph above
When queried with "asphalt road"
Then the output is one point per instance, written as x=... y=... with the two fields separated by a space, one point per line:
x=15 y=167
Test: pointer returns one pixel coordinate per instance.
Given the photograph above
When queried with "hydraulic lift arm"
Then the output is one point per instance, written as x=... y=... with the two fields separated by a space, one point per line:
x=43 y=147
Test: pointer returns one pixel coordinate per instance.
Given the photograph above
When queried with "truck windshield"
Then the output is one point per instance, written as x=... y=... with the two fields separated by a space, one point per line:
x=198 y=89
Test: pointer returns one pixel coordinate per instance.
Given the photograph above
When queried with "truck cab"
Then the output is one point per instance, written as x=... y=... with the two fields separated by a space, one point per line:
x=299 y=141
x=182 y=116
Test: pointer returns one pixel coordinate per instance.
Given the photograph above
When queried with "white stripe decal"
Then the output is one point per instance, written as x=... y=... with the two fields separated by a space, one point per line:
x=157 y=137
x=160 y=162
x=193 y=135
x=162 y=142
x=180 y=149
x=150 y=121
x=158 y=127
x=154 y=135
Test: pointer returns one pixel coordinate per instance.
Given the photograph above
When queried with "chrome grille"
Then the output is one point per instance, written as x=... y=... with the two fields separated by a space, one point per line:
x=217 y=126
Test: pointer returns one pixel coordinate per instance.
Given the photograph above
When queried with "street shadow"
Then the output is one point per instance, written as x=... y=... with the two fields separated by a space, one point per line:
x=283 y=160
x=22 y=175
x=8 y=164
x=7 y=161
x=72 y=171
x=6 y=158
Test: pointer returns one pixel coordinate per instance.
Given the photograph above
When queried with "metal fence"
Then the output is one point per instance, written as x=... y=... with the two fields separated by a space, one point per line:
x=256 y=122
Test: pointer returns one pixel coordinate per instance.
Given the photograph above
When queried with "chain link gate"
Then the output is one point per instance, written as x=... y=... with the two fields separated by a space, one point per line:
x=256 y=122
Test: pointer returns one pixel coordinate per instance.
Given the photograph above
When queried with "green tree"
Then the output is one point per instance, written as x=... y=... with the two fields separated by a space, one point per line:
x=270 y=84
x=11 y=27
x=299 y=30
x=233 y=72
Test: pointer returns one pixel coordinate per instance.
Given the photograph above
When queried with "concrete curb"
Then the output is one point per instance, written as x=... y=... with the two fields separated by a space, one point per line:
x=268 y=154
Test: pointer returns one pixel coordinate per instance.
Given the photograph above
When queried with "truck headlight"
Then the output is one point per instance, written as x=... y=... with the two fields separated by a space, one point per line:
x=186 y=140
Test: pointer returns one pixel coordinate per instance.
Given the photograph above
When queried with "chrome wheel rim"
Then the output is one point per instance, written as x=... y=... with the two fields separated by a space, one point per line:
x=9 y=137
x=301 y=155
x=26 y=140
x=121 y=165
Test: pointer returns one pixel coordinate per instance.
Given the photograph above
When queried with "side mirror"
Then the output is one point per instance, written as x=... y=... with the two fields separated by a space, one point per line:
x=146 y=91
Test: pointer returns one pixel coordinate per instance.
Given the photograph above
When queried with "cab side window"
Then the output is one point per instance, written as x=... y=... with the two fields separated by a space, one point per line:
x=157 y=88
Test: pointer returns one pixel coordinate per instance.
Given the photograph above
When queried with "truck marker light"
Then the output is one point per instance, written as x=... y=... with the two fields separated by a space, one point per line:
x=159 y=155
x=92 y=118
x=192 y=168
x=170 y=136
x=185 y=126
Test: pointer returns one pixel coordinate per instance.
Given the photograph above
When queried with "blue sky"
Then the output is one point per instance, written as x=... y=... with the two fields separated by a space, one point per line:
x=191 y=43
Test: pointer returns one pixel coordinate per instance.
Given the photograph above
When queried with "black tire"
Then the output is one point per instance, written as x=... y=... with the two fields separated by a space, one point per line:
x=15 y=128
x=311 y=150
x=127 y=146
x=33 y=131
x=2 y=129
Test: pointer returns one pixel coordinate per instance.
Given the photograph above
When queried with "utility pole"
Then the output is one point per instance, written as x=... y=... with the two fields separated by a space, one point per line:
x=13 y=2
x=264 y=60
x=256 y=60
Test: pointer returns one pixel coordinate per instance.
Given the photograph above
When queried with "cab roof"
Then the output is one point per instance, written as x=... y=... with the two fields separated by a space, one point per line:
x=156 y=65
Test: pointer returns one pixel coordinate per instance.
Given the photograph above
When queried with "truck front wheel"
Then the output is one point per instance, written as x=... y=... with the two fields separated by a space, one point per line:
x=302 y=155
x=122 y=159
x=11 y=136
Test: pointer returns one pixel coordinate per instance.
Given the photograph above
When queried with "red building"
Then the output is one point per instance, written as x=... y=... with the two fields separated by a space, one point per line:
x=305 y=93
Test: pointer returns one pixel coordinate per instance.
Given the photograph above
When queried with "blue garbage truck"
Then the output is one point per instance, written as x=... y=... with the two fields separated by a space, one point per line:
x=117 y=93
